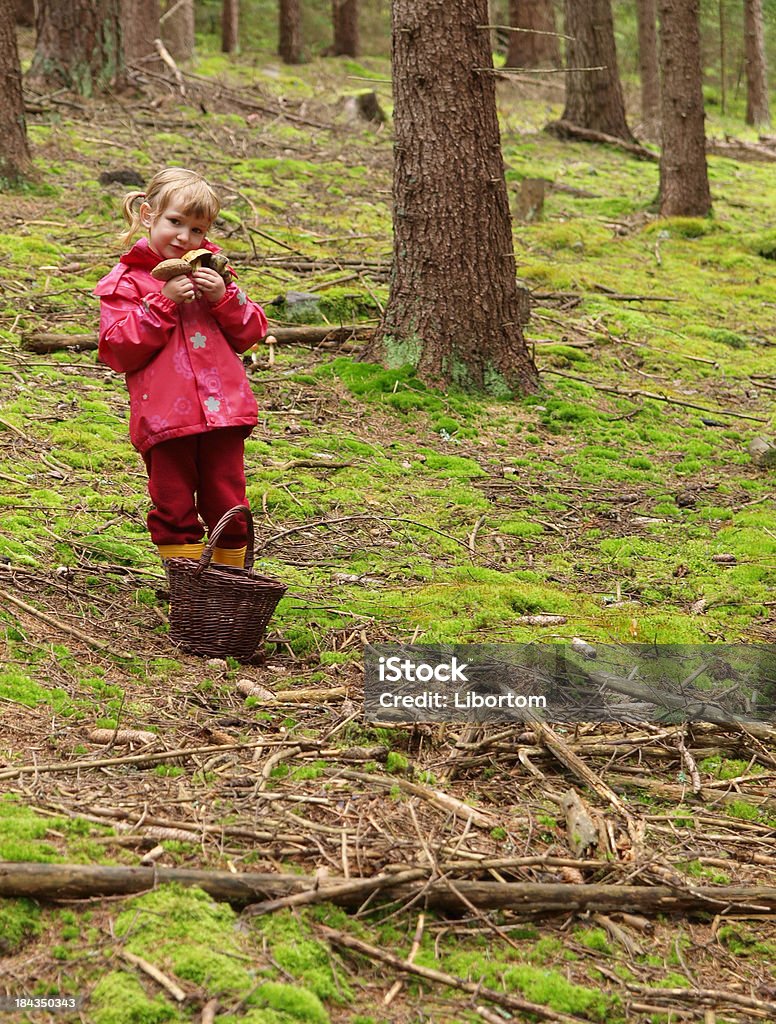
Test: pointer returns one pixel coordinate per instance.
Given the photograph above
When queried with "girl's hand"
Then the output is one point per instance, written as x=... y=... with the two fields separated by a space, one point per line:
x=180 y=289
x=209 y=283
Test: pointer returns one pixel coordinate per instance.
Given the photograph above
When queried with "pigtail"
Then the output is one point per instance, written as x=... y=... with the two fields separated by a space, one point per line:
x=131 y=210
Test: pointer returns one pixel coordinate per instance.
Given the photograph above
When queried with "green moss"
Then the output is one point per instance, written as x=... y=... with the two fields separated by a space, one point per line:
x=683 y=227
x=19 y=687
x=741 y=809
x=295 y=1003
x=593 y=938
x=119 y=998
x=186 y=930
x=296 y=950
x=20 y=921
x=23 y=832
x=741 y=941
x=396 y=763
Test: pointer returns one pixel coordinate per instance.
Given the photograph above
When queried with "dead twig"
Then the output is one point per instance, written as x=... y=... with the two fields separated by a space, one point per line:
x=153 y=972
x=636 y=392
x=510 y=1002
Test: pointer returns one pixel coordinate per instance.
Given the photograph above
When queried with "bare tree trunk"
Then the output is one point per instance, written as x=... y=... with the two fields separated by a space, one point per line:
x=646 y=12
x=537 y=47
x=230 y=26
x=14 y=153
x=177 y=24
x=344 y=15
x=454 y=311
x=684 y=181
x=757 y=108
x=290 y=31
x=24 y=12
x=139 y=28
x=594 y=99
x=79 y=45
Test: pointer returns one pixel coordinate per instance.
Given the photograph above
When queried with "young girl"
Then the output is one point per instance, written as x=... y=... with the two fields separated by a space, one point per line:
x=191 y=406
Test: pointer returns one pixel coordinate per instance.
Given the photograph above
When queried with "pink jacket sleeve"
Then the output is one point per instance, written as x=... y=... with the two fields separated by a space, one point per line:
x=133 y=329
x=242 y=321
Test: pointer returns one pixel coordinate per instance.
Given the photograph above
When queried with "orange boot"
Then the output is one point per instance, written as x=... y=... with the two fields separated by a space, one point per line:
x=180 y=551
x=230 y=556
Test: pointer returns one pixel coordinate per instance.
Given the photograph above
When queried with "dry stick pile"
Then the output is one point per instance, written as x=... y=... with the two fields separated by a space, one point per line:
x=370 y=843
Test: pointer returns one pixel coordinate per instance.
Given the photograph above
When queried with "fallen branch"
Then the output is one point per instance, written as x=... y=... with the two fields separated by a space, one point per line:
x=737 y=149
x=359 y=888
x=45 y=342
x=575 y=764
x=153 y=972
x=394 y=990
x=166 y=56
x=158 y=755
x=435 y=797
x=566 y=130
x=52 y=882
x=345 y=941
x=90 y=641
x=636 y=392
x=711 y=997
x=313 y=695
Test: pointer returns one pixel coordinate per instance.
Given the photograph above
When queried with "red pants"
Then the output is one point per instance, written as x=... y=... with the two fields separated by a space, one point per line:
x=199 y=476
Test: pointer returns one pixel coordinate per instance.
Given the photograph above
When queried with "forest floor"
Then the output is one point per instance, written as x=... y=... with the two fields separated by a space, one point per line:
x=621 y=500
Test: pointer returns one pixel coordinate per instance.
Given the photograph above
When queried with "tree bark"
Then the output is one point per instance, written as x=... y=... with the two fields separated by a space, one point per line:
x=757 y=108
x=139 y=28
x=454 y=311
x=290 y=31
x=684 y=180
x=649 y=73
x=79 y=45
x=230 y=26
x=177 y=25
x=537 y=47
x=24 y=12
x=14 y=152
x=594 y=99
x=344 y=16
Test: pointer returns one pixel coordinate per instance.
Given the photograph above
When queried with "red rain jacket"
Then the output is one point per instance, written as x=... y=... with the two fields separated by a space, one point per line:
x=184 y=374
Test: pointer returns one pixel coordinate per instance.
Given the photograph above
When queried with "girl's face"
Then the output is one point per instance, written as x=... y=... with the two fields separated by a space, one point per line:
x=173 y=233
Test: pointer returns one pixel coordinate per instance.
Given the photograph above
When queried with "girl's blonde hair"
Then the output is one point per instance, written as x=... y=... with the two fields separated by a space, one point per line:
x=188 y=190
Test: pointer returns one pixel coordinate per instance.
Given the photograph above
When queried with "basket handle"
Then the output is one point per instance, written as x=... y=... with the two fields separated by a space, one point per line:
x=218 y=529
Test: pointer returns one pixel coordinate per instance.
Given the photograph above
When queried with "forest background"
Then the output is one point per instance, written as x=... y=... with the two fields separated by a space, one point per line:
x=618 y=503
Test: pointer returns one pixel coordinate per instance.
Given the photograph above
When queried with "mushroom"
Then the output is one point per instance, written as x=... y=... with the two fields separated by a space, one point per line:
x=189 y=262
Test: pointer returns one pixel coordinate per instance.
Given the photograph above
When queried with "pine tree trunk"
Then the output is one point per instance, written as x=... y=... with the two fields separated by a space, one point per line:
x=757 y=109
x=594 y=99
x=230 y=26
x=139 y=28
x=79 y=45
x=646 y=13
x=14 y=154
x=24 y=12
x=290 y=31
x=344 y=16
x=454 y=311
x=178 y=28
x=684 y=181
x=536 y=48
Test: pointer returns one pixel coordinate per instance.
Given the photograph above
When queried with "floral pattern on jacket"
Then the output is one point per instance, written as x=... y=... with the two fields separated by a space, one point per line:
x=182 y=364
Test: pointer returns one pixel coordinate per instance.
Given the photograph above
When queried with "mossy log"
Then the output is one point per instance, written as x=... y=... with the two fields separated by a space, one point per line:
x=77 y=881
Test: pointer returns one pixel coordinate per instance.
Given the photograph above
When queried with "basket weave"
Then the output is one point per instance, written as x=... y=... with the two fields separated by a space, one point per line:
x=220 y=610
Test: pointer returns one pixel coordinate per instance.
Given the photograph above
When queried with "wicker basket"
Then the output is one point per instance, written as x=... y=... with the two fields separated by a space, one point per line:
x=220 y=610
